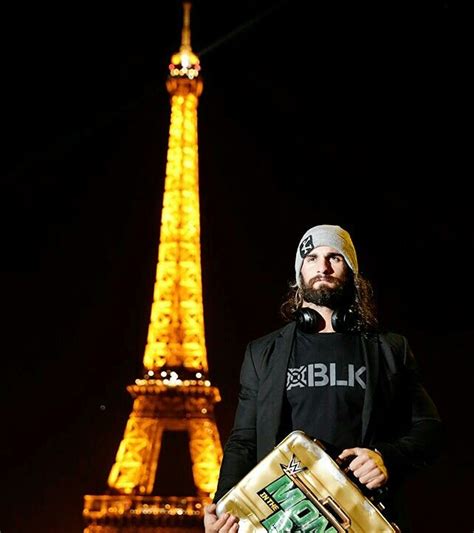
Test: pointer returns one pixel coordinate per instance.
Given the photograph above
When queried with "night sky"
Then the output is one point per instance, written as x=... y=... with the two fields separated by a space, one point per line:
x=85 y=117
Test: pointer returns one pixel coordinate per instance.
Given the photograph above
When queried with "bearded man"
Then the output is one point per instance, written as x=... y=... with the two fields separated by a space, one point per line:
x=333 y=374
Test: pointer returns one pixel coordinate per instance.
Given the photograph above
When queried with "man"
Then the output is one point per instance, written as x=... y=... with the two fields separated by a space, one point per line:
x=332 y=374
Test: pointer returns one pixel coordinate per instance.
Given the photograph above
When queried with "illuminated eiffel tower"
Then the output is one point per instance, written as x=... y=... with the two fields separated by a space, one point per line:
x=175 y=393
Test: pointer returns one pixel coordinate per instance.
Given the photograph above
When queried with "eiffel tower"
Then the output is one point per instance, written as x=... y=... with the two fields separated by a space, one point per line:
x=175 y=394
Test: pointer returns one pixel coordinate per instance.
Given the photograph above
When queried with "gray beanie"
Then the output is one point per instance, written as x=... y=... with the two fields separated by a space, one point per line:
x=326 y=235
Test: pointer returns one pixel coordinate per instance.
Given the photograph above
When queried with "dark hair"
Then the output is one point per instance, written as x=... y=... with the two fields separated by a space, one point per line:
x=362 y=305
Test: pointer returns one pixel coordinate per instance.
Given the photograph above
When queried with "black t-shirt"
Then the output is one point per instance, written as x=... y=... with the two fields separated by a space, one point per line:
x=325 y=387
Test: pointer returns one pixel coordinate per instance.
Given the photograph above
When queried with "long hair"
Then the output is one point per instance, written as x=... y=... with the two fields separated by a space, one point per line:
x=362 y=305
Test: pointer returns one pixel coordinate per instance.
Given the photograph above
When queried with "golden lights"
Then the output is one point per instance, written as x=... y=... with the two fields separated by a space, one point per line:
x=184 y=64
x=176 y=330
x=174 y=394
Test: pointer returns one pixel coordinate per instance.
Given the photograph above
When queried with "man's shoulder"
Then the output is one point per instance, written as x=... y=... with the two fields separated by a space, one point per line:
x=394 y=341
x=265 y=340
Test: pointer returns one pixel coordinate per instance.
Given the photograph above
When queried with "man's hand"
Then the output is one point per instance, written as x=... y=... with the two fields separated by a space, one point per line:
x=227 y=523
x=368 y=467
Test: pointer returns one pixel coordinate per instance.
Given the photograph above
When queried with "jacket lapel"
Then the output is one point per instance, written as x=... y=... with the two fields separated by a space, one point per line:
x=274 y=381
x=370 y=350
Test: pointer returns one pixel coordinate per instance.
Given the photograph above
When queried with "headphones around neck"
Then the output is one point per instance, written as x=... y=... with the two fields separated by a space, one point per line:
x=309 y=320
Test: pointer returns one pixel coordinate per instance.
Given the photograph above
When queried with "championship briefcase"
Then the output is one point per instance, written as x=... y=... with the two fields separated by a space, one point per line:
x=298 y=487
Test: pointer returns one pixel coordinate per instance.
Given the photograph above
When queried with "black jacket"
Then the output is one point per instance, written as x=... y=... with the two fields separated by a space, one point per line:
x=398 y=418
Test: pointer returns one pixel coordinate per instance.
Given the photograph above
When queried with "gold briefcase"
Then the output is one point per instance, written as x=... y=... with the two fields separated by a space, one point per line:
x=298 y=487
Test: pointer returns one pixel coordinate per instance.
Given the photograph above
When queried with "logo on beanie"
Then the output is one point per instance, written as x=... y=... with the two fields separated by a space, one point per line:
x=306 y=246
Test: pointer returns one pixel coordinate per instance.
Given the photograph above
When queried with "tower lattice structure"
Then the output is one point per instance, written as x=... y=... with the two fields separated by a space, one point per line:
x=175 y=393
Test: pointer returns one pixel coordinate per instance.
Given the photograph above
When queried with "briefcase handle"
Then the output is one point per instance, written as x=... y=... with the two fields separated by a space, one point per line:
x=332 y=507
x=327 y=507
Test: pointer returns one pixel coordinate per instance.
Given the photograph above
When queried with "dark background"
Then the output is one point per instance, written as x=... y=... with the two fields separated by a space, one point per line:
x=85 y=118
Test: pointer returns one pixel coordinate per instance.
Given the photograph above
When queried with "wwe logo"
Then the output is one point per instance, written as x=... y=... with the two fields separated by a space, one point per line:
x=306 y=246
x=293 y=467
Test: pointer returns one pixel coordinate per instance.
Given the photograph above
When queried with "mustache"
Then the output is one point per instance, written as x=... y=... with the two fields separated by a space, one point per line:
x=323 y=278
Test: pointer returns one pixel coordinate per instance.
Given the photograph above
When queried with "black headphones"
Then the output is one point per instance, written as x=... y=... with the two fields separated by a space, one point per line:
x=310 y=321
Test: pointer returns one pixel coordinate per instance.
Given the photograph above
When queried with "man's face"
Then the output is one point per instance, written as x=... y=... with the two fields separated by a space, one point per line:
x=325 y=275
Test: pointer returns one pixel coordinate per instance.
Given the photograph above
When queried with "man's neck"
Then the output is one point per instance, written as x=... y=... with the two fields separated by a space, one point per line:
x=326 y=314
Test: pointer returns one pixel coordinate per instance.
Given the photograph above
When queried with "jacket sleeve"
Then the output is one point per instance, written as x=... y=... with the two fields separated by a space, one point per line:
x=240 y=454
x=418 y=440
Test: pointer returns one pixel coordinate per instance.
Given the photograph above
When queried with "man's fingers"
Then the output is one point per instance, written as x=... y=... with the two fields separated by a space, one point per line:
x=210 y=517
x=362 y=468
x=363 y=456
x=371 y=476
x=219 y=523
x=367 y=466
x=348 y=452
x=379 y=481
x=224 y=524
x=229 y=525
x=357 y=463
x=365 y=477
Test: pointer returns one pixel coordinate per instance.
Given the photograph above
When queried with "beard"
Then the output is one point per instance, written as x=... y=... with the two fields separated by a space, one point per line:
x=332 y=297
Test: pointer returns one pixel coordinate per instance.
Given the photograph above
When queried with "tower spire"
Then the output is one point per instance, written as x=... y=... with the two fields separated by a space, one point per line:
x=176 y=332
x=186 y=32
x=175 y=393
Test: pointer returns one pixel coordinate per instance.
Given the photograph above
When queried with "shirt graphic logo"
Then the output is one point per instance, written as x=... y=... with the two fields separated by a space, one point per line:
x=322 y=375
x=296 y=377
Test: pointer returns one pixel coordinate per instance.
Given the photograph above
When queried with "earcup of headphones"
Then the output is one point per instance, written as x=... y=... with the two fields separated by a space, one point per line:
x=342 y=320
x=308 y=320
